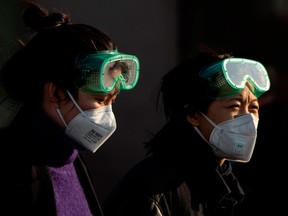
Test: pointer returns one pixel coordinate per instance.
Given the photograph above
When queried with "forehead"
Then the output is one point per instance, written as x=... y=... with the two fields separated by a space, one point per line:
x=245 y=95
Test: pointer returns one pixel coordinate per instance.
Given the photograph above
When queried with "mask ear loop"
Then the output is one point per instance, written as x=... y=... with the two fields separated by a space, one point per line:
x=209 y=120
x=74 y=102
x=60 y=115
x=199 y=132
x=201 y=135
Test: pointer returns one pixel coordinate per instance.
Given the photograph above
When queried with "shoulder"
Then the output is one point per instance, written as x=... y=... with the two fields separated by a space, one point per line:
x=146 y=178
x=151 y=174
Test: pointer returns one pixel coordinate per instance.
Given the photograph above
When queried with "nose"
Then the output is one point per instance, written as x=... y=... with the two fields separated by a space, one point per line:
x=244 y=110
x=109 y=102
x=111 y=97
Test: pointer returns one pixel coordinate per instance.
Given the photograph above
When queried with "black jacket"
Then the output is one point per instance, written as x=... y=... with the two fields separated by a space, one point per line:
x=28 y=146
x=182 y=178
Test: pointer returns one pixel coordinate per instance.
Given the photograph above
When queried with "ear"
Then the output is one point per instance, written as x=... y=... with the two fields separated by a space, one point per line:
x=52 y=93
x=193 y=119
x=53 y=98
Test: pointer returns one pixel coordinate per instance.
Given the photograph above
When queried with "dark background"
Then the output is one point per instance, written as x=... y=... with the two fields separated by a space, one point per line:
x=161 y=33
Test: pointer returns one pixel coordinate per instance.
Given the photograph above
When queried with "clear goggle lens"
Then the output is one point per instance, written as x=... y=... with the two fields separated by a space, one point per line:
x=103 y=71
x=236 y=72
x=123 y=72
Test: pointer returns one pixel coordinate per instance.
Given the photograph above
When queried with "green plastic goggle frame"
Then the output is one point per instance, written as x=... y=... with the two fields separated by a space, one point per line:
x=236 y=72
x=97 y=69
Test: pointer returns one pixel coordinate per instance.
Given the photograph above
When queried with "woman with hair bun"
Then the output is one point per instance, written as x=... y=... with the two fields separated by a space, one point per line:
x=64 y=81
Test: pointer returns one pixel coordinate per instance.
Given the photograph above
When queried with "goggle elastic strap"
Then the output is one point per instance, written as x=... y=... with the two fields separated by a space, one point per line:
x=74 y=102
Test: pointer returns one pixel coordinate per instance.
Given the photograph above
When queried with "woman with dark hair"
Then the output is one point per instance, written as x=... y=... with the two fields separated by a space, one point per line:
x=211 y=104
x=64 y=81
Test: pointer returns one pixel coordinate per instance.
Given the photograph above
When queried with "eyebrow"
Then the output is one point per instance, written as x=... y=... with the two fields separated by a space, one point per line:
x=239 y=97
x=236 y=97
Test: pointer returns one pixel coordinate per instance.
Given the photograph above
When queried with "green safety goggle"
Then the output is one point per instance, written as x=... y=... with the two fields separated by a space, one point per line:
x=236 y=72
x=101 y=72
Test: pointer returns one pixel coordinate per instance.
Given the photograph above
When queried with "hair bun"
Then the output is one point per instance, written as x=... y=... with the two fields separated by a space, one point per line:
x=38 y=18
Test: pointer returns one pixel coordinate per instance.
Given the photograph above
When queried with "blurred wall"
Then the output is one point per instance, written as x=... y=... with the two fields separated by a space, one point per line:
x=160 y=33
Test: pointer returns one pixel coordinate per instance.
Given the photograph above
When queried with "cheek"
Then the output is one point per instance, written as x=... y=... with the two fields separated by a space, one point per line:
x=205 y=127
x=220 y=116
x=87 y=103
x=70 y=114
x=218 y=112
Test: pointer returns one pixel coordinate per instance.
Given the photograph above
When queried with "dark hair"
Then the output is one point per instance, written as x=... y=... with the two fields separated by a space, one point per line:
x=182 y=93
x=182 y=90
x=50 y=54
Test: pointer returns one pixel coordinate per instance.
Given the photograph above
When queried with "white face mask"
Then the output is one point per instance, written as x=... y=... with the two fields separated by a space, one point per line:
x=91 y=128
x=234 y=139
